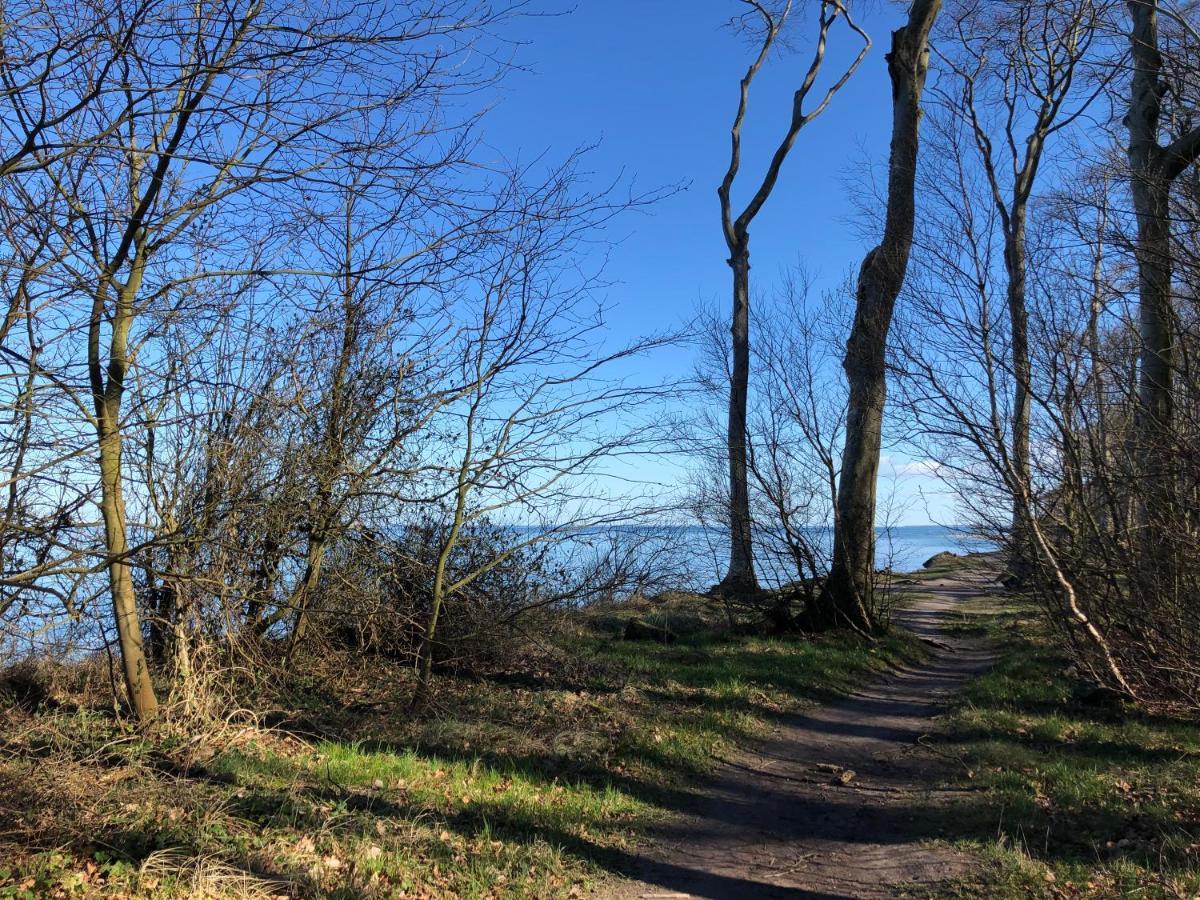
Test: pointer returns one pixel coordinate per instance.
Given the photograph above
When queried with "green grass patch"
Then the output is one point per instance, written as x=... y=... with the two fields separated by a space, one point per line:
x=533 y=783
x=1075 y=800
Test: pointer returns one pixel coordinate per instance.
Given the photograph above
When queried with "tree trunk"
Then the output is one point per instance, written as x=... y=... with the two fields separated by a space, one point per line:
x=1150 y=185
x=1155 y=407
x=436 y=600
x=847 y=596
x=438 y=588
x=740 y=578
x=1153 y=168
x=308 y=583
x=1014 y=262
x=120 y=579
x=107 y=396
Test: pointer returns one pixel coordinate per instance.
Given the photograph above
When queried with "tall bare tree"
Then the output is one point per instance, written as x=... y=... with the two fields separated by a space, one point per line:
x=1020 y=58
x=1153 y=169
x=767 y=21
x=847 y=597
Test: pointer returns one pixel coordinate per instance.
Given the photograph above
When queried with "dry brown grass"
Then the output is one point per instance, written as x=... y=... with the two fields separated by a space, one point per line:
x=198 y=877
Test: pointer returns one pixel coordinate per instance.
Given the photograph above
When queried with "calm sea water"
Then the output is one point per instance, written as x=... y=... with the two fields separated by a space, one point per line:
x=695 y=556
x=907 y=548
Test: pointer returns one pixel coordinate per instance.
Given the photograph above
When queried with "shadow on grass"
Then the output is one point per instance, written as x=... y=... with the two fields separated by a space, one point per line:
x=900 y=824
x=546 y=769
x=1058 y=771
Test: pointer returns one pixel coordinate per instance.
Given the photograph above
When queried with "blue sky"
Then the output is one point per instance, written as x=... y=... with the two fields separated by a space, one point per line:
x=654 y=84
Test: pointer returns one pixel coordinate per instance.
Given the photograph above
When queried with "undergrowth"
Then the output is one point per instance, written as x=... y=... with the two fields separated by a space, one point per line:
x=529 y=782
x=1078 y=796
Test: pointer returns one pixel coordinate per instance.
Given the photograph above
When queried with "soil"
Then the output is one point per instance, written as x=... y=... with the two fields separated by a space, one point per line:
x=847 y=800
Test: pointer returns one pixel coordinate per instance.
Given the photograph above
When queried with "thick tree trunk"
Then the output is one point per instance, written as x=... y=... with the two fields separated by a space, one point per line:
x=1153 y=168
x=740 y=578
x=1150 y=185
x=847 y=596
x=1156 y=512
x=1155 y=411
x=1015 y=262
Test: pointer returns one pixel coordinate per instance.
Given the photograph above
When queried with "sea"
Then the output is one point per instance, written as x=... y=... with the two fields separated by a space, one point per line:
x=696 y=556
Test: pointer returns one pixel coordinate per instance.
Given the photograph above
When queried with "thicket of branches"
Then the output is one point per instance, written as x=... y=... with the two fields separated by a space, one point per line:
x=287 y=359
x=285 y=353
x=1048 y=354
x=1043 y=361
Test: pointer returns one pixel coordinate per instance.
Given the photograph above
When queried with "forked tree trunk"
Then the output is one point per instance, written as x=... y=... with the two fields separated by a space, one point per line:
x=1153 y=169
x=107 y=394
x=847 y=598
x=740 y=579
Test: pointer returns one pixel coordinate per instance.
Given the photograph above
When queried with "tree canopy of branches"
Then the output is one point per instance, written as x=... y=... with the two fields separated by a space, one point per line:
x=269 y=310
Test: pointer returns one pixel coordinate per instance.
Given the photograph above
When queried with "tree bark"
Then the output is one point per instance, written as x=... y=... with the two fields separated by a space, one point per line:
x=107 y=395
x=1153 y=168
x=1015 y=258
x=740 y=578
x=847 y=595
x=1150 y=185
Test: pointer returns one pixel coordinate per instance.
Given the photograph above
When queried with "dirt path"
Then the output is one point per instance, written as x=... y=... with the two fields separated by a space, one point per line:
x=779 y=821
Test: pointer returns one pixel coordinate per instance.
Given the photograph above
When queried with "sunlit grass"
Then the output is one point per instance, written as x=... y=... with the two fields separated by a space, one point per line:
x=1079 y=801
x=535 y=787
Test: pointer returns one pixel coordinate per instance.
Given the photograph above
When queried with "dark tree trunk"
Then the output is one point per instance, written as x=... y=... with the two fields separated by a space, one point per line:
x=1153 y=169
x=847 y=596
x=1151 y=173
x=1015 y=261
x=740 y=577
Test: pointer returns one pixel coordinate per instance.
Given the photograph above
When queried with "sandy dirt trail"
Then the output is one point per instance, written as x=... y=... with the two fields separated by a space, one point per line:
x=779 y=821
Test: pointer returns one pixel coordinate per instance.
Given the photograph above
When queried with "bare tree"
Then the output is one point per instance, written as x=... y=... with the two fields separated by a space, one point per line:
x=537 y=407
x=795 y=421
x=223 y=108
x=1153 y=169
x=768 y=22
x=1020 y=59
x=847 y=597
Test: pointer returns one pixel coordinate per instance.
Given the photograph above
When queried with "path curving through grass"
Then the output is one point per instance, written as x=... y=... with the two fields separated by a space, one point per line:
x=846 y=800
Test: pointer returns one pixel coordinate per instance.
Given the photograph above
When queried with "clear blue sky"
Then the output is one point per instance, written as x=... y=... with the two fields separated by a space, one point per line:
x=654 y=83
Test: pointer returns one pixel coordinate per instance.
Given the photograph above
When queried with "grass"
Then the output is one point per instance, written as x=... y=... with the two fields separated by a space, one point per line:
x=1074 y=800
x=531 y=783
x=537 y=781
